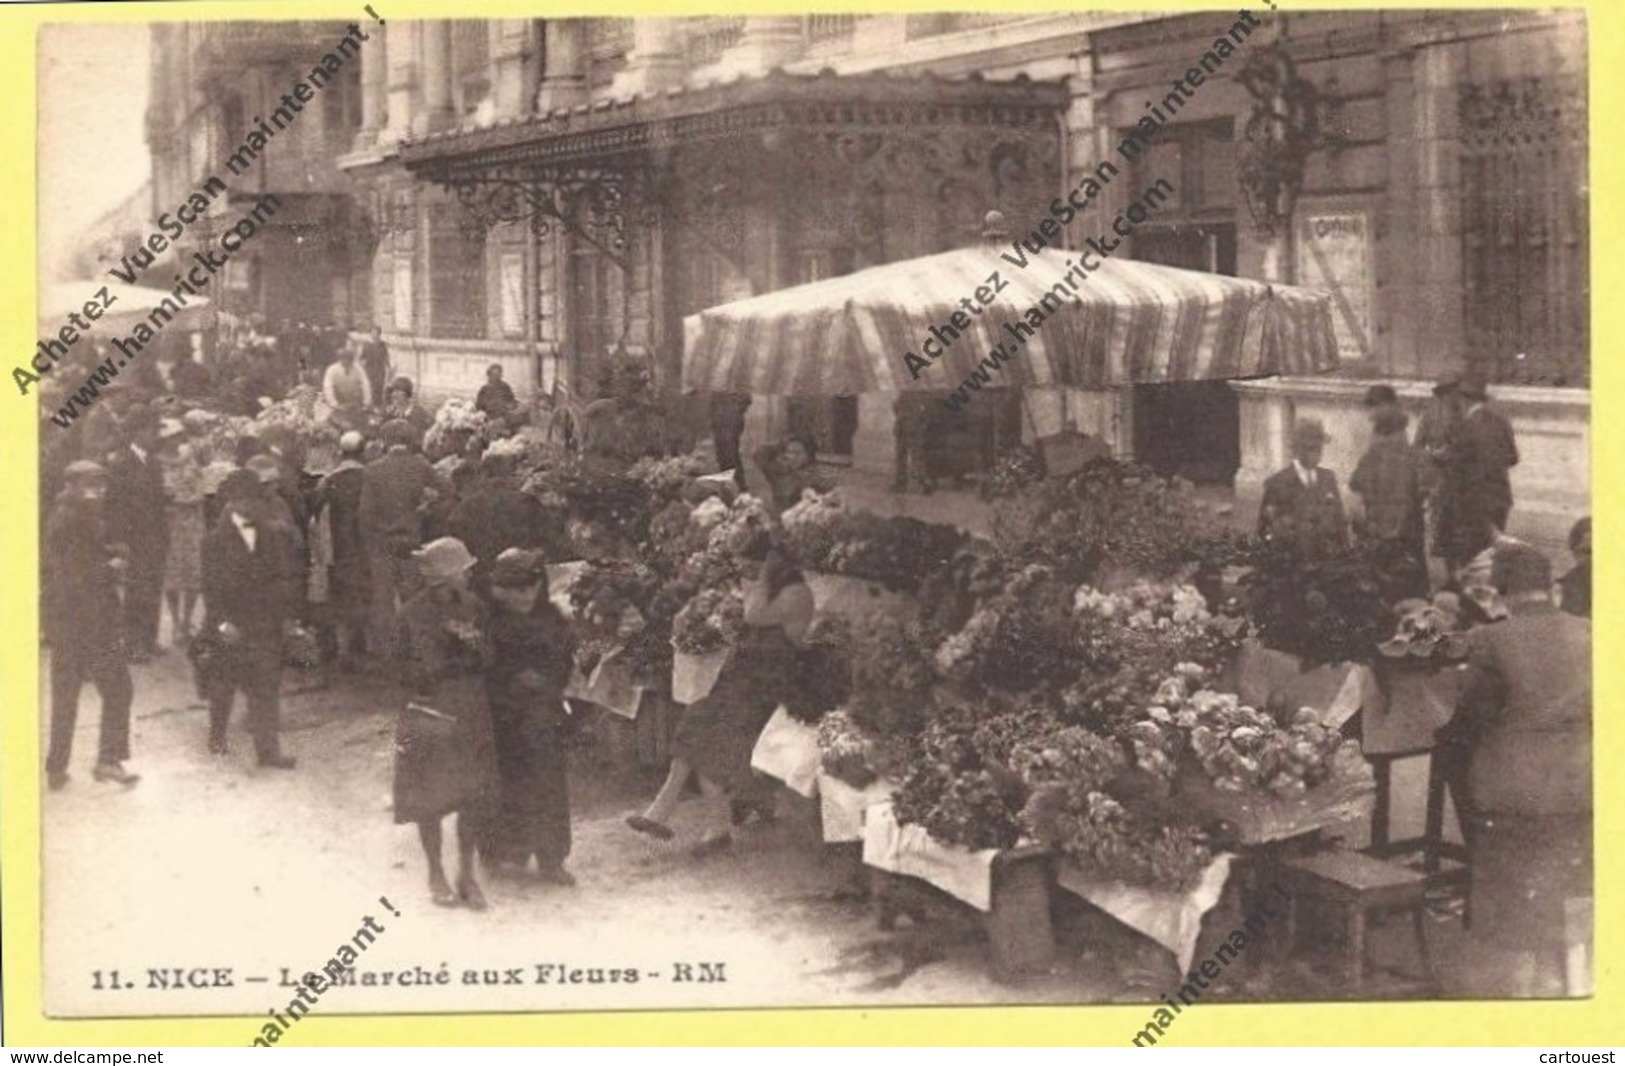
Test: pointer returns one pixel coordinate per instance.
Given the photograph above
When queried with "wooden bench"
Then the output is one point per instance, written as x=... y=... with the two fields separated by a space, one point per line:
x=1357 y=885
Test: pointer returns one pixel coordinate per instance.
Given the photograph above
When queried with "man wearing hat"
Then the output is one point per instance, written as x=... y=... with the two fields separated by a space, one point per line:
x=82 y=621
x=394 y=492
x=337 y=500
x=136 y=508
x=249 y=591
x=1524 y=718
x=1302 y=505
x=1485 y=454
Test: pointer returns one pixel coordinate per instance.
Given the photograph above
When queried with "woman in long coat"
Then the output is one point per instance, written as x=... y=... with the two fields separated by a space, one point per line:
x=716 y=736
x=445 y=759
x=532 y=648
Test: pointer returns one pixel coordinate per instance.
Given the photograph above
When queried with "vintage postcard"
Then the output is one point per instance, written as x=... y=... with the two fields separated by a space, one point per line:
x=542 y=515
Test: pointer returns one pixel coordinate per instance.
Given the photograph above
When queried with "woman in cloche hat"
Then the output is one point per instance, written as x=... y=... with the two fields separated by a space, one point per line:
x=445 y=759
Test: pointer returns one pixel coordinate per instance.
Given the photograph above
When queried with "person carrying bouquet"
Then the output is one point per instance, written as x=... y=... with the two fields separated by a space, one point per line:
x=715 y=737
x=445 y=757
x=532 y=649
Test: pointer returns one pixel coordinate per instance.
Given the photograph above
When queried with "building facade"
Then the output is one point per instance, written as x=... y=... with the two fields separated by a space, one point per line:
x=212 y=82
x=543 y=193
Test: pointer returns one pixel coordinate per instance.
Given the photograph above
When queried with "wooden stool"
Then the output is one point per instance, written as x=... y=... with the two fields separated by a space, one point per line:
x=1358 y=885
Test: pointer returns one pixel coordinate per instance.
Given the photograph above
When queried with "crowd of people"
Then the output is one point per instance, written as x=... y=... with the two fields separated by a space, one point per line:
x=1442 y=497
x=381 y=562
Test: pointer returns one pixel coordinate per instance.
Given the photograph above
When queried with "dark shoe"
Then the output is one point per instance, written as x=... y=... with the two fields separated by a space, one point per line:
x=114 y=772
x=57 y=780
x=278 y=762
x=556 y=875
x=650 y=827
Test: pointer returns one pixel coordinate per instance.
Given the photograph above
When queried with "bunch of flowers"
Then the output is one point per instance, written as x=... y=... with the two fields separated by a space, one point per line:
x=1110 y=839
x=514 y=447
x=1427 y=630
x=817 y=678
x=1240 y=748
x=1118 y=514
x=1323 y=611
x=1018 y=640
x=295 y=416
x=665 y=478
x=456 y=422
x=744 y=528
x=900 y=553
x=844 y=749
x=604 y=590
x=710 y=622
x=957 y=795
x=893 y=680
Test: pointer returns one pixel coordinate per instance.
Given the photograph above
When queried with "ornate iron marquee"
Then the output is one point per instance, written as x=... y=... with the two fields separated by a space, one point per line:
x=600 y=205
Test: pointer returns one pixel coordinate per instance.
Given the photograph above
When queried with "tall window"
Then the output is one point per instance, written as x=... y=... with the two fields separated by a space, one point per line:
x=456 y=274
x=594 y=309
x=1524 y=230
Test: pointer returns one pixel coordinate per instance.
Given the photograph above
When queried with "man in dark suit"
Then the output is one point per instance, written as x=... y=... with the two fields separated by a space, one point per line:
x=136 y=510
x=249 y=577
x=375 y=363
x=1302 y=505
x=82 y=623
x=1485 y=455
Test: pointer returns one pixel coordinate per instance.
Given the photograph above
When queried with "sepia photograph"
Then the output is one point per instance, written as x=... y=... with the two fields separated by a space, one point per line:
x=827 y=510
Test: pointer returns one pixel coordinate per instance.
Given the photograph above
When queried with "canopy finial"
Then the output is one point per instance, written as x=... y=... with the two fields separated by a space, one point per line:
x=993 y=229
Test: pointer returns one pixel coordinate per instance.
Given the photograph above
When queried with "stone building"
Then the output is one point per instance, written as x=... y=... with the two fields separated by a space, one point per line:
x=541 y=193
x=211 y=82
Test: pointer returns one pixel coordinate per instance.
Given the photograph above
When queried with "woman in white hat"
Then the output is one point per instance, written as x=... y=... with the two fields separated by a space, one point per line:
x=445 y=759
x=183 y=511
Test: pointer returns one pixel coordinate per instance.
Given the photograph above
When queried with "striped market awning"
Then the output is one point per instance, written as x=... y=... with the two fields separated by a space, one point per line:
x=1046 y=323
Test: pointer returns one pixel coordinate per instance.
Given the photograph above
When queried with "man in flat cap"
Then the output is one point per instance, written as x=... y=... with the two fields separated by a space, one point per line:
x=81 y=576
x=1302 y=505
x=1524 y=720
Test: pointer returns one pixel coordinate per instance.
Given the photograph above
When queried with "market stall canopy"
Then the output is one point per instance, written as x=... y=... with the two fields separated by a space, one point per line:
x=125 y=305
x=1125 y=323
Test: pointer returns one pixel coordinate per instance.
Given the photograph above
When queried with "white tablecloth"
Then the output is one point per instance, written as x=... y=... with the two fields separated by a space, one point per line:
x=788 y=750
x=842 y=807
x=909 y=850
x=1172 y=919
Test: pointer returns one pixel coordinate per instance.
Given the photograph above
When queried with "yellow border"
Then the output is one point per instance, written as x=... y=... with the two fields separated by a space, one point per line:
x=1599 y=1021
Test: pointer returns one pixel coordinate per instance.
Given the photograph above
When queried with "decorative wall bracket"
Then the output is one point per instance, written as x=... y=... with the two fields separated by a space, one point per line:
x=1282 y=131
x=599 y=205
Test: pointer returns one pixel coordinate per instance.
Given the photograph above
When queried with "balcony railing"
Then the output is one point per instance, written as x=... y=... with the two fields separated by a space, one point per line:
x=820 y=28
x=708 y=38
x=938 y=24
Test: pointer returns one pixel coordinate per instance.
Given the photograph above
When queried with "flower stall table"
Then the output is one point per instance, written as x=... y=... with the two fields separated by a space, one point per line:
x=1010 y=887
x=1266 y=828
x=1171 y=919
x=1401 y=708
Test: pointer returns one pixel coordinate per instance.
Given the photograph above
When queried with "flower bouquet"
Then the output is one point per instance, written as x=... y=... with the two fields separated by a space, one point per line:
x=844 y=750
x=1427 y=630
x=1323 y=611
x=703 y=634
x=456 y=422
